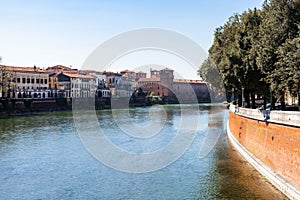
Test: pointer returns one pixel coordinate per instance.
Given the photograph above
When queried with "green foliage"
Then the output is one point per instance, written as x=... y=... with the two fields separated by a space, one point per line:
x=287 y=69
x=211 y=75
x=152 y=94
x=258 y=50
x=278 y=28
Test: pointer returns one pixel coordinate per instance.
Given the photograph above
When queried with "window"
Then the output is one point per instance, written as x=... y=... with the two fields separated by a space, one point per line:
x=28 y=80
x=32 y=80
x=18 y=80
x=23 y=80
x=45 y=81
x=37 y=80
x=42 y=81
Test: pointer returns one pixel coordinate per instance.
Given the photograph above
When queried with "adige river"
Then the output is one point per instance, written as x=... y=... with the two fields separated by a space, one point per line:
x=43 y=157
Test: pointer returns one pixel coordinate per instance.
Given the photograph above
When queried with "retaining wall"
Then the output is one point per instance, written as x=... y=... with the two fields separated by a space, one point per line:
x=275 y=142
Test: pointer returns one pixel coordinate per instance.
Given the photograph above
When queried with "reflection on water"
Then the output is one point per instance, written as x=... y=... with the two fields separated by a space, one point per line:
x=42 y=157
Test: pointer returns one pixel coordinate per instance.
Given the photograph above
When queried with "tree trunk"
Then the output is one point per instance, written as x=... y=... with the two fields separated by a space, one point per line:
x=273 y=102
x=298 y=101
x=265 y=102
x=247 y=99
x=282 y=101
x=240 y=101
x=253 y=100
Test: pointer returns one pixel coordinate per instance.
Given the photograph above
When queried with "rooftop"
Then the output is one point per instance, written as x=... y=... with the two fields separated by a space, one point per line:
x=56 y=67
x=167 y=69
x=23 y=69
x=149 y=80
x=73 y=75
x=127 y=71
x=140 y=72
x=187 y=81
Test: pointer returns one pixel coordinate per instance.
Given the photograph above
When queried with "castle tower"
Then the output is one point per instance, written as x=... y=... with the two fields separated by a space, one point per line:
x=166 y=80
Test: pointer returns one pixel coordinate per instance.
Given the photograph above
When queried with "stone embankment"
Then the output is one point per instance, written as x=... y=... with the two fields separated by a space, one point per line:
x=270 y=141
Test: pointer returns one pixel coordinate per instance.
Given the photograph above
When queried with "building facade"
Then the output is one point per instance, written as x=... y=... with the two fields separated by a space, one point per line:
x=162 y=83
x=53 y=73
x=76 y=85
x=26 y=82
x=191 y=90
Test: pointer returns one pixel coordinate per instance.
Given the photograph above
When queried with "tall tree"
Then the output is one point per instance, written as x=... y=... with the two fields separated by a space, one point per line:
x=211 y=75
x=223 y=53
x=247 y=37
x=258 y=51
x=6 y=78
x=234 y=53
x=287 y=70
x=277 y=26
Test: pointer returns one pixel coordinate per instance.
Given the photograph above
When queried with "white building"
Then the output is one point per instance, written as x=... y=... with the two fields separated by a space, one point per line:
x=27 y=82
x=123 y=88
x=77 y=85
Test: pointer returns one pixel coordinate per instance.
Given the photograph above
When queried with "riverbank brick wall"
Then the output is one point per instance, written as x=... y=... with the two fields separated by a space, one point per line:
x=278 y=146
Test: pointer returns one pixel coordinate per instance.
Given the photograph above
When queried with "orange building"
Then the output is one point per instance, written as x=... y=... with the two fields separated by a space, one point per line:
x=160 y=82
x=53 y=73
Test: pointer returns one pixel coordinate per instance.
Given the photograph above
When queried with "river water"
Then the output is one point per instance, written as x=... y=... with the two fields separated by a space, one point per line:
x=42 y=157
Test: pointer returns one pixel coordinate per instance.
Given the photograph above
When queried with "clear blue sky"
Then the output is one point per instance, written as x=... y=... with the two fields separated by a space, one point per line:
x=46 y=33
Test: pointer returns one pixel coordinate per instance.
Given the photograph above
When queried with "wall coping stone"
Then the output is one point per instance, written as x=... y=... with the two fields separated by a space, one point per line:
x=289 y=118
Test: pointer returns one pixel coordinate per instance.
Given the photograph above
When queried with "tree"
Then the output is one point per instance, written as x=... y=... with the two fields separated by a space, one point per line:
x=222 y=53
x=211 y=75
x=258 y=51
x=247 y=36
x=234 y=52
x=287 y=70
x=6 y=77
x=278 y=25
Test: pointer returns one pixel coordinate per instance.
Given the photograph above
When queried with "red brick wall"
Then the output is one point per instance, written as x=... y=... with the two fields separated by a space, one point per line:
x=278 y=146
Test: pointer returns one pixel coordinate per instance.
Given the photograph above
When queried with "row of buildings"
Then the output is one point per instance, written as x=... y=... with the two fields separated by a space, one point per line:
x=61 y=81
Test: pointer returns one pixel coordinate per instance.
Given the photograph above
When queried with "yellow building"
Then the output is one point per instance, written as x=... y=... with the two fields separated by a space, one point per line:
x=54 y=71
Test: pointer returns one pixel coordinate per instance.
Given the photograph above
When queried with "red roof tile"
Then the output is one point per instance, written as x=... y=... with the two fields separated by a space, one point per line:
x=73 y=75
x=127 y=71
x=23 y=69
